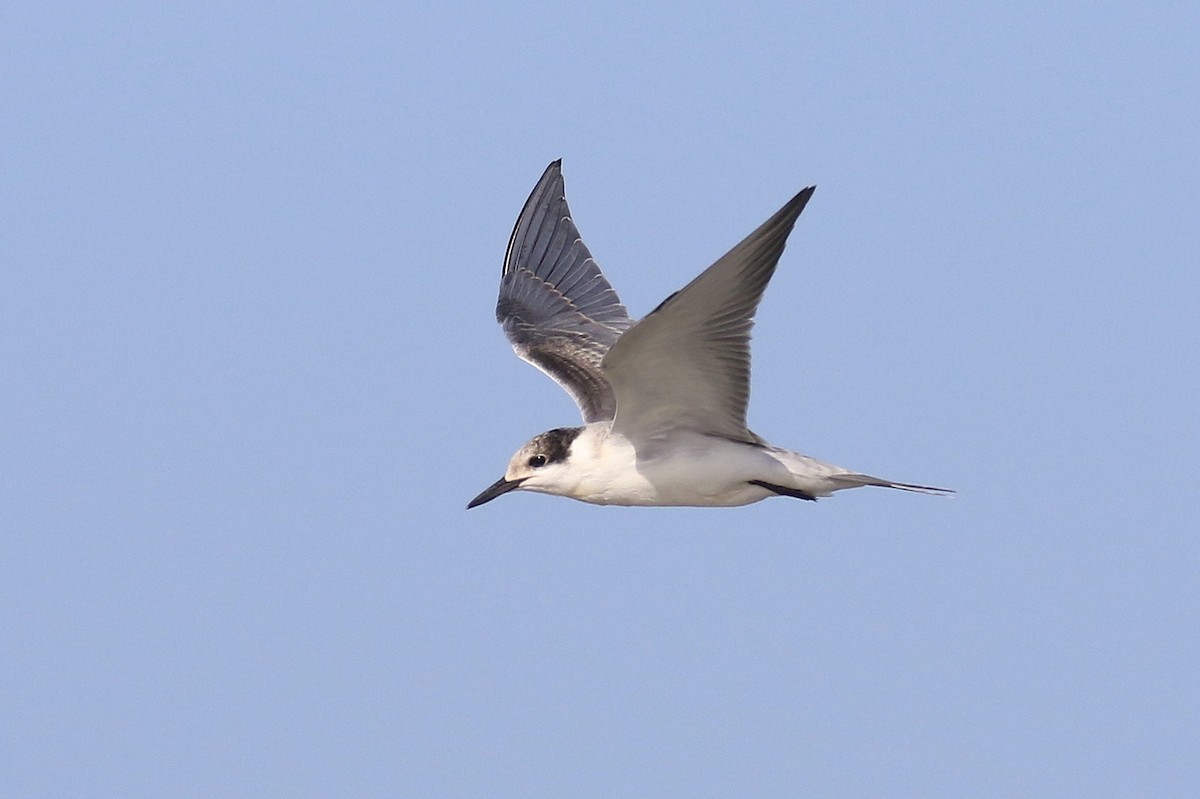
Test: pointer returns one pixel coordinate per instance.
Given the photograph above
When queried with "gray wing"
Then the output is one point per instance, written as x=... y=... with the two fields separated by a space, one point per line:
x=555 y=306
x=687 y=364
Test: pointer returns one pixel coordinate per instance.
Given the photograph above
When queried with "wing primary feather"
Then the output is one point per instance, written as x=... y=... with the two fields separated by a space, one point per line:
x=555 y=305
x=687 y=364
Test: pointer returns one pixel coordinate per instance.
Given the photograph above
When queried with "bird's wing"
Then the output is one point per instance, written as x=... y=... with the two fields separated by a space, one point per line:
x=555 y=306
x=687 y=364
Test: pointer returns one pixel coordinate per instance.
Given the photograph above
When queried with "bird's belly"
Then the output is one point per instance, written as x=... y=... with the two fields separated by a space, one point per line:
x=684 y=476
x=703 y=481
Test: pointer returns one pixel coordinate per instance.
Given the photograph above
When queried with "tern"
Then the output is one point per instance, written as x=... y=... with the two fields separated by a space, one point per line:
x=664 y=399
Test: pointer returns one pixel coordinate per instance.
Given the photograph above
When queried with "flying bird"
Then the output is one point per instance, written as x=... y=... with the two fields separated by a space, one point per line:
x=664 y=399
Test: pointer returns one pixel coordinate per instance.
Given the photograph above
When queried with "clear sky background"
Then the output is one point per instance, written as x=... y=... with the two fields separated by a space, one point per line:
x=248 y=265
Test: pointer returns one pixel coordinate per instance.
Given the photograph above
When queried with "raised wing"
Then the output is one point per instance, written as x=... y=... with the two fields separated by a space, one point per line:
x=687 y=364
x=555 y=306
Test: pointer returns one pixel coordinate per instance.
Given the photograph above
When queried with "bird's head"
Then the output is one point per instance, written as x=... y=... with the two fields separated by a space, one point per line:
x=540 y=465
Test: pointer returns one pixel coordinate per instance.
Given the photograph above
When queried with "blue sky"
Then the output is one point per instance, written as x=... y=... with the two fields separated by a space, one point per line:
x=249 y=262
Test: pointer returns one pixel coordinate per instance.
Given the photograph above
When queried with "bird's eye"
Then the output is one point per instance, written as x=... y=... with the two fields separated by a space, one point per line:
x=537 y=460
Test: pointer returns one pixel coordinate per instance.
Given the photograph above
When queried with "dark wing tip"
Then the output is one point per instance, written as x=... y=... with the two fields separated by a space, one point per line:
x=795 y=206
x=541 y=190
x=778 y=228
x=552 y=170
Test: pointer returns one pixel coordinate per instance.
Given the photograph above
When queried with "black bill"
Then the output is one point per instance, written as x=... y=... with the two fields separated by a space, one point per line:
x=497 y=488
